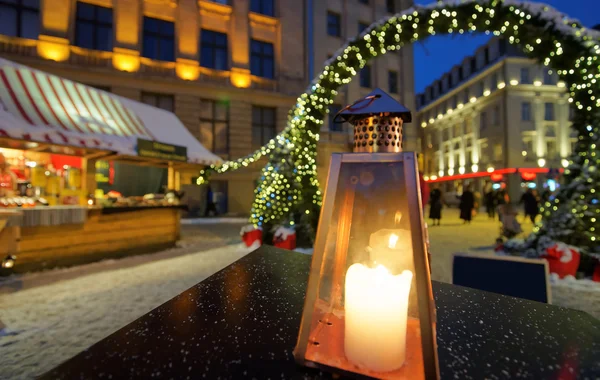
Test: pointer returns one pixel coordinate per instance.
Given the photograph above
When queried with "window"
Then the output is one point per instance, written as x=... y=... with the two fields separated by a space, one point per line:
x=482 y=121
x=393 y=82
x=473 y=65
x=334 y=24
x=263 y=125
x=214 y=125
x=162 y=101
x=362 y=26
x=525 y=75
x=571 y=113
x=454 y=101
x=496 y=116
x=20 y=18
x=548 y=78
x=363 y=1
x=494 y=82
x=466 y=96
x=365 y=76
x=481 y=88
x=440 y=88
x=526 y=111
x=551 y=148
x=390 y=6
x=213 y=50
x=497 y=152
x=457 y=130
x=262 y=59
x=549 y=111
x=93 y=27
x=159 y=39
x=265 y=7
x=486 y=55
x=460 y=74
x=333 y=110
x=224 y=2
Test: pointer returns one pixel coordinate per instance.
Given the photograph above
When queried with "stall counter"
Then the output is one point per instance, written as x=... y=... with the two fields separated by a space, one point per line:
x=47 y=237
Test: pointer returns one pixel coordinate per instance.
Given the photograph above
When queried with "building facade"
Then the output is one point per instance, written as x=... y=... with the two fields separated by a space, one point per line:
x=496 y=117
x=229 y=69
x=330 y=24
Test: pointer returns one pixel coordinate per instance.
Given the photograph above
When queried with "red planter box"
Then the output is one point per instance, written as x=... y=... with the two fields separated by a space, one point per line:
x=562 y=260
x=287 y=243
x=250 y=237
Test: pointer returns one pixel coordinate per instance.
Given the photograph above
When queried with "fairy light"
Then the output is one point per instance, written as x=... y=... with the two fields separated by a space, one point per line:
x=288 y=189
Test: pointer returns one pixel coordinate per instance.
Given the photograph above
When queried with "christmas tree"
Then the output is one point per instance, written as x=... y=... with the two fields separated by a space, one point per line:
x=288 y=191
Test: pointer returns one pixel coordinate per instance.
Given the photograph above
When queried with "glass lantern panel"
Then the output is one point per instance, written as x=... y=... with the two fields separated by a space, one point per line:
x=366 y=313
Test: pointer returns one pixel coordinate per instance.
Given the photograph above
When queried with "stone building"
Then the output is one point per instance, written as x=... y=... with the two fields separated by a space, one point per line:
x=496 y=117
x=229 y=69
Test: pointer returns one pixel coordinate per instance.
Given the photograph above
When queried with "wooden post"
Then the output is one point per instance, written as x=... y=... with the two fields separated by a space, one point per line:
x=171 y=177
x=88 y=180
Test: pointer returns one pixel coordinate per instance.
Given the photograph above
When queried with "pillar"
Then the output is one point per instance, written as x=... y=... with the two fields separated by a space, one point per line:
x=540 y=132
x=240 y=53
x=564 y=129
x=54 y=41
x=127 y=29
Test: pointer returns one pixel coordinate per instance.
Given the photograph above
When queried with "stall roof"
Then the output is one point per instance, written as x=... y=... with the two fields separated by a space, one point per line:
x=45 y=108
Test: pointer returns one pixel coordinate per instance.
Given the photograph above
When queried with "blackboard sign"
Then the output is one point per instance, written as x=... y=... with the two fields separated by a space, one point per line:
x=161 y=151
x=511 y=276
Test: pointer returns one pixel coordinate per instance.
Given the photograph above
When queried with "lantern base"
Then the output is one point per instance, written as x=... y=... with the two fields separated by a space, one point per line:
x=326 y=349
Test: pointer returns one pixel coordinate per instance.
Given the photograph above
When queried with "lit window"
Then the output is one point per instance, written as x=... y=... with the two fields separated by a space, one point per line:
x=213 y=50
x=159 y=39
x=262 y=59
x=20 y=18
x=93 y=27
x=214 y=125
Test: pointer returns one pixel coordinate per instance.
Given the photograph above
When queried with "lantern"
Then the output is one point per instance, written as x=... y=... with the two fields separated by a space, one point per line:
x=369 y=307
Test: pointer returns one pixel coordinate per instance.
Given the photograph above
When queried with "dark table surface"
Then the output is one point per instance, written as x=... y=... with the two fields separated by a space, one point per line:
x=243 y=321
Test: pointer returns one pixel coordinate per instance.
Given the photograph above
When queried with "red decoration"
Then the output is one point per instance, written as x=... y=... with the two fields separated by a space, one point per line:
x=251 y=235
x=285 y=238
x=596 y=275
x=59 y=161
x=563 y=259
x=496 y=177
x=528 y=176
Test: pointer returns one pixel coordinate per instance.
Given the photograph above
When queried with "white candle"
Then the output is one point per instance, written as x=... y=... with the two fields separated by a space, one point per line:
x=376 y=309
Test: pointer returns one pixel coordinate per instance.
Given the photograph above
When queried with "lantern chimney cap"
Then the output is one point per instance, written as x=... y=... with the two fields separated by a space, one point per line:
x=376 y=103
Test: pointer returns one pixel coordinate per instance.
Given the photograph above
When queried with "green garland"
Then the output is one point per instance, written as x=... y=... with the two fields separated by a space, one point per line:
x=288 y=190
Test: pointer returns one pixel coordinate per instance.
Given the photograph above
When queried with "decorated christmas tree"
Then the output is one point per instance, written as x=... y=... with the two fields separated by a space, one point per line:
x=288 y=190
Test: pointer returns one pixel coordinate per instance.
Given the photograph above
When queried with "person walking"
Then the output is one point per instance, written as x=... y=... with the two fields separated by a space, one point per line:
x=210 y=204
x=489 y=199
x=467 y=202
x=435 y=205
x=531 y=205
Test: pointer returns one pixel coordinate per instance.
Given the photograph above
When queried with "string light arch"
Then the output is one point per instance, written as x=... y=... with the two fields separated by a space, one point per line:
x=288 y=189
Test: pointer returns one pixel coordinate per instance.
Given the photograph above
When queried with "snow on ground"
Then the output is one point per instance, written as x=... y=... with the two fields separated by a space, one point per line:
x=49 y=322
x=52 y=316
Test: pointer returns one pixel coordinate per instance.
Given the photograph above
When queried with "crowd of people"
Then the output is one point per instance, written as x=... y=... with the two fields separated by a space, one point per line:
x=496 y=202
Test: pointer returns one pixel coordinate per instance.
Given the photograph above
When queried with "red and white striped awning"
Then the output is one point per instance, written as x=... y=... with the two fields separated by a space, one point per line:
x=41 y=107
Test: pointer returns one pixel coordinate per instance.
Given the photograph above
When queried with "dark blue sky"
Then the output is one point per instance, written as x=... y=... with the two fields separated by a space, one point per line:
x=438 y=54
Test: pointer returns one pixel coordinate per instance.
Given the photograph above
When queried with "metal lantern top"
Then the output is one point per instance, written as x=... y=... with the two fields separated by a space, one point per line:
x=377 y=121
x=378 y=102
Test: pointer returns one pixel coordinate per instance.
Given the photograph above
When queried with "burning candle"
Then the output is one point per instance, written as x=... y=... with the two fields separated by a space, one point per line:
x=376 y=311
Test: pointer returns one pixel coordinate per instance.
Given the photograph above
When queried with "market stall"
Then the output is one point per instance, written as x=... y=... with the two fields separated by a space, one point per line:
x=59 y=144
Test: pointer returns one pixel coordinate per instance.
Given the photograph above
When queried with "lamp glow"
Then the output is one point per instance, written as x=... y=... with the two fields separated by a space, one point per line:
x=501 y=85
x=490 y=169
x=514 y=82
x=537 y=83
x=474 y=168
x=541 y=162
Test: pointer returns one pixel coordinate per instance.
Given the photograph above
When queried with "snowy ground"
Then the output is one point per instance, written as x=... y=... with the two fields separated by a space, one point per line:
x=53 y=315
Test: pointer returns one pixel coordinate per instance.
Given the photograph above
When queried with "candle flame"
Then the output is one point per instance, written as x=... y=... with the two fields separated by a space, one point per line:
x=393 y=240
x=397 y=217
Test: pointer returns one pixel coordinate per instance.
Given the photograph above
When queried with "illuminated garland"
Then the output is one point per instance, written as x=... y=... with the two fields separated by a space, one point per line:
x=288 y=190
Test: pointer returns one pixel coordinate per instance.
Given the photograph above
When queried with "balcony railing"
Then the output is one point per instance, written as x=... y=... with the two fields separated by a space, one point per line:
x=86 y=57
x=17 y=46
x=157 y=68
